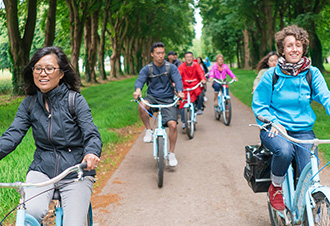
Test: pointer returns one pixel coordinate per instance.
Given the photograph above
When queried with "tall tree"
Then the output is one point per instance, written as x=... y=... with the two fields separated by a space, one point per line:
x=78 y=13
x=20 y=47
x=51 y=24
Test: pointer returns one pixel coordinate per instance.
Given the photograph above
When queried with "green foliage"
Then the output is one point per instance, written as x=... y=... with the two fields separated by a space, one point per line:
x=5 y=87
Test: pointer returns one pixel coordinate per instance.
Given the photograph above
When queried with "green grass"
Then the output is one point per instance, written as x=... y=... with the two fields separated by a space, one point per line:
x=111 y=108
x=242 y=90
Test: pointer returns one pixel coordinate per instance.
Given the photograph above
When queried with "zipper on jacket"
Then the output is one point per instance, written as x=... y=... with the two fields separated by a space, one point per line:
x=50 y=135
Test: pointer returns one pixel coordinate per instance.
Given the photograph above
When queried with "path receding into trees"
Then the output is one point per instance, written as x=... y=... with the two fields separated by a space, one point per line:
x=206 y=188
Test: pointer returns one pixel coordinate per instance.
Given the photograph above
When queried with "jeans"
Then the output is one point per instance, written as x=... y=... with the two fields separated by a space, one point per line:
x=217 y=87
x=75 y=198
x=284 y=152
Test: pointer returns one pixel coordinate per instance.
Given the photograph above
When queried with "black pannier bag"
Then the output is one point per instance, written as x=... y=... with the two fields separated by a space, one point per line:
x=257 y=169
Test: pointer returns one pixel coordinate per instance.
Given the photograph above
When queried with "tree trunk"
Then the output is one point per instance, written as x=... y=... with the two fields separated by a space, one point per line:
x=76 y=28
x=51 y=24
x=103 y=74
x=246 y=49
x=87 y=42
x=315 y=47
x=93 y=49
x=19 y=47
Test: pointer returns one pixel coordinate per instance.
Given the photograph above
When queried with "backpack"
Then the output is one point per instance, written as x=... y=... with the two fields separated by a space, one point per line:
x=71 y=103
x=168 y=72
x=308 y=78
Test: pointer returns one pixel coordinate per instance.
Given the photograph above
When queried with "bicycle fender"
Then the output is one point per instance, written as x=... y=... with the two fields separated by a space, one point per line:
x=186 y=105
x=324 y=190
x=227 y=97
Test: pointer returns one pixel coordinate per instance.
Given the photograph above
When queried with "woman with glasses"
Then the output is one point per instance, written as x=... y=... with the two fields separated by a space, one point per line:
x=61 y=139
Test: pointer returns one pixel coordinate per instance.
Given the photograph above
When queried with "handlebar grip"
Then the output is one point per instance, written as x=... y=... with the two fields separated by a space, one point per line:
x=83 y=165
x=263 y=119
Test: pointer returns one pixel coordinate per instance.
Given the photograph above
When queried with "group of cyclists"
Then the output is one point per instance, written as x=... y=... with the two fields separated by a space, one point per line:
x=64 y=139
x=282 y=93
x=163 y=84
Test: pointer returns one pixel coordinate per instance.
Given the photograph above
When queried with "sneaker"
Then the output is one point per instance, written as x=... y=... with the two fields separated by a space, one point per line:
x=183 y=125
x=172 y=160
x=148 y=137
x=275 y=195
x=205 y=99
x=199 y=112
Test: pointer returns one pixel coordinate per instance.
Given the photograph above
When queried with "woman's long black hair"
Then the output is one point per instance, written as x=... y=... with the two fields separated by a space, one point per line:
x=70 y=78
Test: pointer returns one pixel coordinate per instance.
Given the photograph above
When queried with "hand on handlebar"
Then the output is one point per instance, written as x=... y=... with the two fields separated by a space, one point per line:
x=137 y=94
x=236 y=79
x=274 y=132
x=92 y=161
x=203 y=82
x=181 y=94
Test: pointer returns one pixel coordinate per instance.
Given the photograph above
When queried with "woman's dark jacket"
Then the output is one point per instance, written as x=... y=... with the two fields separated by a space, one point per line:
x=60 y=141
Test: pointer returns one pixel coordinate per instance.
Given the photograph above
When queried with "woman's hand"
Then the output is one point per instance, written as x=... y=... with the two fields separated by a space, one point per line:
x=92 y=161
x=274 y=131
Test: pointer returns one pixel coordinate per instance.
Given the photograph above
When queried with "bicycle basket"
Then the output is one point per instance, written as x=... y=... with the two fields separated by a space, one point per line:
x=257 y=169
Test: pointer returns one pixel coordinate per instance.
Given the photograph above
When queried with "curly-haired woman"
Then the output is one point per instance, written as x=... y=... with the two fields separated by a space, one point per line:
x=287 y=103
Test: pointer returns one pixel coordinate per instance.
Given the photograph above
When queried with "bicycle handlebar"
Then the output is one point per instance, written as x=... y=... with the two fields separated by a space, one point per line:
x=176 y=99
x=76 y=168
x=195 y=87
x=268 y=122
x=223 y=82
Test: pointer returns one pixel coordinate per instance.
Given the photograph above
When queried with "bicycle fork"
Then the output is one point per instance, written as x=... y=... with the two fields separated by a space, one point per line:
x=160 y=132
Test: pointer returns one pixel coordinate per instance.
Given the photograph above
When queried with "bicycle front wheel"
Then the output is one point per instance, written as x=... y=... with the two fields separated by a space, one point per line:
x=321 y=214
x=189 y=123
x=160 y=161
x=227 y=113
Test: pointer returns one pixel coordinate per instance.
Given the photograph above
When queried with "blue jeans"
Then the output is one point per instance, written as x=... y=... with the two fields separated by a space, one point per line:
x=284 y=152
x=217 y=87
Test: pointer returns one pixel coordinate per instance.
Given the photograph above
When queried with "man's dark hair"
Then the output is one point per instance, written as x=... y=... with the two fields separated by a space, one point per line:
x=156 y=45
x=188 y=52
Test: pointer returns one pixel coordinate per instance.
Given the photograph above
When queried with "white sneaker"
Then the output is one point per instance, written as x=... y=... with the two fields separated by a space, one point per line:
x=148 y=137
x=205 y=99
x=183 y=126
x=172 y=160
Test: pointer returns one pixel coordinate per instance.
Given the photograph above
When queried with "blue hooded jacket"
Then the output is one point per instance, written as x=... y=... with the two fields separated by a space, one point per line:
x=289 y=104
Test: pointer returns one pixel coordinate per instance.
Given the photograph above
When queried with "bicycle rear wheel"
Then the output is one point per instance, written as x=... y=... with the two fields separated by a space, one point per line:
x=160 y=161
x=189 y=123
x=227 y=113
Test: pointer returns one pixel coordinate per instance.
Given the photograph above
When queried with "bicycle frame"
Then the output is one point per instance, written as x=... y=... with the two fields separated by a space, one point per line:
x=160 y=130
x=300 y=199
x=224 y=95
x=189 y=104
x=22 y=217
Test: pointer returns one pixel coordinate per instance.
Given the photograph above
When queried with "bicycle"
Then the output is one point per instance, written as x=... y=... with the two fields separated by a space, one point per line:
x=307 y=201
x=189 y=113
x=159 y=138
x=22 y=218
x=224 y=103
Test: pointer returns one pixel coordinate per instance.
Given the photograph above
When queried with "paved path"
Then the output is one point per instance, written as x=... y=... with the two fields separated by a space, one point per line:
x=206 y=188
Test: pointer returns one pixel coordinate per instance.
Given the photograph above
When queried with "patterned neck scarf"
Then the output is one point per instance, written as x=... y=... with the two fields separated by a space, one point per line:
x=294 y=69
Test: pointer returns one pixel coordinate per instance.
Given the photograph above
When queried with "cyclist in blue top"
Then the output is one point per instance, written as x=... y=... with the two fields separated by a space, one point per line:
x=287 y=103
x=160 y=91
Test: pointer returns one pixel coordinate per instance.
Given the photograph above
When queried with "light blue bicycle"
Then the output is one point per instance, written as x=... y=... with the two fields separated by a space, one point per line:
x=160 y=139
x=189 y=113
x=224 y=102
x=24 y=219
x=306 y=202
